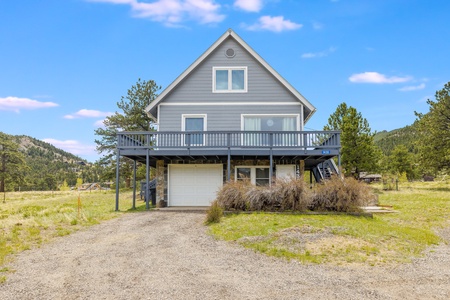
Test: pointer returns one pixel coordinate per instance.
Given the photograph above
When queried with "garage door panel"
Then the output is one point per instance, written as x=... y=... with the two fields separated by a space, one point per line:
x=194 y=185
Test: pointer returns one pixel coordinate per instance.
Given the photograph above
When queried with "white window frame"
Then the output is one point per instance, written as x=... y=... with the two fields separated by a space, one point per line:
x=230 y=80
x=252 y=172
x=183 y=126
x=297 y=116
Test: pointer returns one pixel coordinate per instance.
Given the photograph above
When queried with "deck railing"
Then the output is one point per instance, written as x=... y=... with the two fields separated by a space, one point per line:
x=158 y=140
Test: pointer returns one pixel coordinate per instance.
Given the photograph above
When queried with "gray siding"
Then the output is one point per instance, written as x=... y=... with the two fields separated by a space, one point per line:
x=197 y=88
x=219 y=117
x=262 y=86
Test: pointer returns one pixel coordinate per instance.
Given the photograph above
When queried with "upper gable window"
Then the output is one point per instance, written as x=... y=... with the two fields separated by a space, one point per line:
x=229 y=79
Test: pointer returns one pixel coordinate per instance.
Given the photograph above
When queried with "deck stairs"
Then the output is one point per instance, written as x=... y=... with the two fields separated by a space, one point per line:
x=325 y=170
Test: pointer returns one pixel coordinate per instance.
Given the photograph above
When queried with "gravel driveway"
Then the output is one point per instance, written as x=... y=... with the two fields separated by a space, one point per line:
x=168 y=255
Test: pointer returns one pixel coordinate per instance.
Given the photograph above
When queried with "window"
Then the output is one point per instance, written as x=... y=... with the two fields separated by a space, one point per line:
x=230 y=79
x=194 y=123
x=270 y=123
x=257 y=175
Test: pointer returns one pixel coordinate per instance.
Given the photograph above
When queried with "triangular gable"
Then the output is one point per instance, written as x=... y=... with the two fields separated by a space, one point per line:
x=151 y=108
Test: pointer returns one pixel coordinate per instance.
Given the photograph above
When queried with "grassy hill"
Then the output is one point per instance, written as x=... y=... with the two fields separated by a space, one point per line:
x=50 y=166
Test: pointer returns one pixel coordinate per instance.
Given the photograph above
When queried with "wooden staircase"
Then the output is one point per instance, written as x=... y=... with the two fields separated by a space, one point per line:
x=325 y=170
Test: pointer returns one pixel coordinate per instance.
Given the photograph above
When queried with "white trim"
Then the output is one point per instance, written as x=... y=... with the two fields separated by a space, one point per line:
x=230 y=78
x=237 y=38
x=302 y=125
x=274 y=115
x=227 y=103
x=183 y=125
x=159 y=112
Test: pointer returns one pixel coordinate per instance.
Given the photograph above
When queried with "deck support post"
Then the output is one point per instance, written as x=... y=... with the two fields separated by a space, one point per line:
x=301 y=171
x=271 y=159
x=147 y=196
x=229 y=165
x=339 y=162
x=117 y=178
x=134 y=184
x=271 y=168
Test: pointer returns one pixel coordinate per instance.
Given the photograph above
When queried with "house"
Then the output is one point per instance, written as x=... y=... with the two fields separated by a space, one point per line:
x=228 y=116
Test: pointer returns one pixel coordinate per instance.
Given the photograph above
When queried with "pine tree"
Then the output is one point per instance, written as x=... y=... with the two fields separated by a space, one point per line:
x=358 y=151
x=132 y=118
x=12 y=163
x=434 y=133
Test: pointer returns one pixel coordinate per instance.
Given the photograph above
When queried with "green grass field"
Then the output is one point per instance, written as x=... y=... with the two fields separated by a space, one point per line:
x=29 y=219
x=422 y=209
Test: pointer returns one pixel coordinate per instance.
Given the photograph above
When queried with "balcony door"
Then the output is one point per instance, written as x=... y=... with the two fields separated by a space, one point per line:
x=194 y=123
x=273 y=123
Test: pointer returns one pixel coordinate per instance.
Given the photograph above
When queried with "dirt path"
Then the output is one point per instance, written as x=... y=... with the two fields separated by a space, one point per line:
x=168 y=255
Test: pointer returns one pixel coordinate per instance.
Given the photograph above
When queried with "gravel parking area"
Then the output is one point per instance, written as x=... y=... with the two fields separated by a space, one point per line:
x=168 y=255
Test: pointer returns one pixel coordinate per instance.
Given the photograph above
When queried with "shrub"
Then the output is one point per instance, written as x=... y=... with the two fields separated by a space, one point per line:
x=285 y=194
x=260 y=198
x=214 y=213
x=341 y=195
x=292 y=194
x=232 y=195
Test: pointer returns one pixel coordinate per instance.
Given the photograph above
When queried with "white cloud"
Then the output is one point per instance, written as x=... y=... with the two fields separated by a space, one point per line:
x=375 y=77
x=173 y=12
x=412 y=88
x=100 y=123
x=249 y=5
x=319 y=54
x=276 y=24
x=72 y=146
x=16 y=104
x=88 y=113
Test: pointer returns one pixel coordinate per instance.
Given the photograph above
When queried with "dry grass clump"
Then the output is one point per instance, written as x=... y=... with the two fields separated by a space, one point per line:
x=341 y=195
x=290 y=194
x=232 y=195
x=285 y=194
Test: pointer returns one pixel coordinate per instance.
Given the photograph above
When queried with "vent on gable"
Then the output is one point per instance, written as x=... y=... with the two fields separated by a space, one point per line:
x=230 y=53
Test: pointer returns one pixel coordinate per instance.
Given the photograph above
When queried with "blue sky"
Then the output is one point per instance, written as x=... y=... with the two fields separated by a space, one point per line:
x=66 y=63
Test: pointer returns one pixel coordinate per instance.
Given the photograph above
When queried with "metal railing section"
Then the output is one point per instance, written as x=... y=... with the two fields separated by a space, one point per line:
x=229 y=139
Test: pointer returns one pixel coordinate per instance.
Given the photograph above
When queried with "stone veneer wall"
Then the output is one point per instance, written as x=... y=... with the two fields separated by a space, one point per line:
x=161 y=182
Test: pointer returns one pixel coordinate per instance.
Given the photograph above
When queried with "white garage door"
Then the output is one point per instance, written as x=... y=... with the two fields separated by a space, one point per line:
x=194 y=185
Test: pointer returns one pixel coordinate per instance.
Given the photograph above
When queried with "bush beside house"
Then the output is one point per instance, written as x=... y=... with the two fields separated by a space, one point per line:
x=287 y=194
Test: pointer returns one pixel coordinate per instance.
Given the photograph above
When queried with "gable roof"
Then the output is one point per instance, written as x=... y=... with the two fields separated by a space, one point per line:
x=151 y=108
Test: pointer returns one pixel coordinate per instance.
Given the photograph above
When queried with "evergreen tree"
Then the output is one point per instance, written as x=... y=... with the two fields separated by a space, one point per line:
x=132 y=118
x=401 y=161
x=358 y=152
x=12 y=163
x=434 y=133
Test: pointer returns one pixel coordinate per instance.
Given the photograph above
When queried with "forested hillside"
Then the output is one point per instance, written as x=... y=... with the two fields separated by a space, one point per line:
x=47 y=167
x=388 y=140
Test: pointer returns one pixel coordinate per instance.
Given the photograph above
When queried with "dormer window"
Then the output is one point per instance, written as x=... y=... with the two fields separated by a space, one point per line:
x=229 y=79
